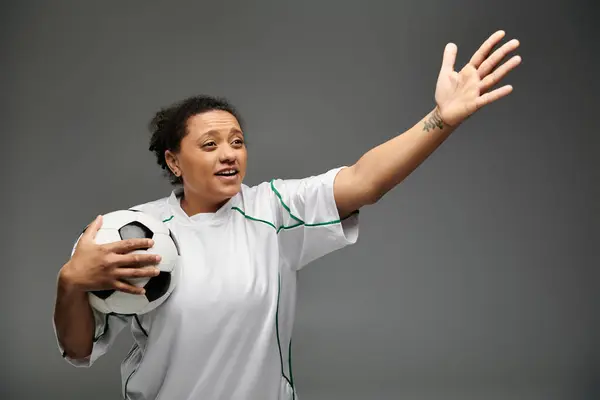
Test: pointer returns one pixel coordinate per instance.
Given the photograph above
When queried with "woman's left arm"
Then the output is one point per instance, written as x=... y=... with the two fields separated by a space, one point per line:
x=458 y=95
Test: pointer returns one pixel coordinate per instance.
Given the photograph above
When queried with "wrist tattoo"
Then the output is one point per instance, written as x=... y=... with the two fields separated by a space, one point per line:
x=434 y=121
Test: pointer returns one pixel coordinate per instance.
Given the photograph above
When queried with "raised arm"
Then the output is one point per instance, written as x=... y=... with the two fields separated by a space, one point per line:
x=458 y=95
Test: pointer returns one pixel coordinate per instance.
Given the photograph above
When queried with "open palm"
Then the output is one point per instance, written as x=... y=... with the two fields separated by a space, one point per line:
x=459 y=94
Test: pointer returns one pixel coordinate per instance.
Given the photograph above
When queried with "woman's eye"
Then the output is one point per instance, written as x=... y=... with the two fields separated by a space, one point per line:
x=209 y=144
x=238 y=141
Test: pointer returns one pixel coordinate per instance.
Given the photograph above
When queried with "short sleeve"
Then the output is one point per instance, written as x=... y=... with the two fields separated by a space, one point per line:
x=309 y=222
x=107 y=328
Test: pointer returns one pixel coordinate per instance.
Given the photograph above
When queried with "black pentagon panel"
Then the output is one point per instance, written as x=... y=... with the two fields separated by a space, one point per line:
x=157 y=286
x=135 y=230
x=174 y=242
x=103 y=294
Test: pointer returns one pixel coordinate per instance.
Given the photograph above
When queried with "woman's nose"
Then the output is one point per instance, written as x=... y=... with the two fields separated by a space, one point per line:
x=227 y=155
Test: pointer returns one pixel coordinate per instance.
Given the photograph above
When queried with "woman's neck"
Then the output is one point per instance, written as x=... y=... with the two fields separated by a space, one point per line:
x=193 y=205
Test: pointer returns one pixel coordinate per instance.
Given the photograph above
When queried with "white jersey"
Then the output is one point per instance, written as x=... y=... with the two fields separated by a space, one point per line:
x=226 y=330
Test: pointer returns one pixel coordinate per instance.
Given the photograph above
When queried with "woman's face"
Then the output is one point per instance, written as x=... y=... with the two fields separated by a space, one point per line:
x=212 y=157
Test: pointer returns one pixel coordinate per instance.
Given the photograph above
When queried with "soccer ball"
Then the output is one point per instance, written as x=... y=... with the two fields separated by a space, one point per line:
x=130 y=224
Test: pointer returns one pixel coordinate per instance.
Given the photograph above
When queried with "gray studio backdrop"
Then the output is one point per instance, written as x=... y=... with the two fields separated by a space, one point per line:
x=472 y=280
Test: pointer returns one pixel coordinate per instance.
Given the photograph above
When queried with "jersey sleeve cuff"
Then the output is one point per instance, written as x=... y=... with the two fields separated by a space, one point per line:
x=86 y=362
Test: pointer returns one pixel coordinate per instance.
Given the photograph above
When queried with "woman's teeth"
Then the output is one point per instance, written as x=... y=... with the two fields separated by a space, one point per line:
x=227 y=173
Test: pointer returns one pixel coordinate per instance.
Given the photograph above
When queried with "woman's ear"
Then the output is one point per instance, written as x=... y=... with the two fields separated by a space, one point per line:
x=172 y=162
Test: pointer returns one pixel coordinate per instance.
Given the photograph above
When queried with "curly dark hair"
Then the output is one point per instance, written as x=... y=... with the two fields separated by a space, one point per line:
x=169 y=126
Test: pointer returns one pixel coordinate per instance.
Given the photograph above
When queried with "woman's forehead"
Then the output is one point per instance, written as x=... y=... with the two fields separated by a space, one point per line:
x=216 y=121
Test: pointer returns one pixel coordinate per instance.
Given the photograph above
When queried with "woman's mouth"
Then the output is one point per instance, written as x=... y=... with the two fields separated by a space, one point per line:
x=227 y=174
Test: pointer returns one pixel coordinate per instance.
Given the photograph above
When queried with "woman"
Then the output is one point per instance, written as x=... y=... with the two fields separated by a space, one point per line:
x=225 y=332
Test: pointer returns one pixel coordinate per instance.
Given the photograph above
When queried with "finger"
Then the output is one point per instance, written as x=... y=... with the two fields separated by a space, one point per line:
x=499 y=74
x=136 y=260
x=485 y=49
x=129 y=245
x=142 y=272
x=128 y=288
x=90 y=231
x=494 y=95
x=490 y=63
x=449 y=58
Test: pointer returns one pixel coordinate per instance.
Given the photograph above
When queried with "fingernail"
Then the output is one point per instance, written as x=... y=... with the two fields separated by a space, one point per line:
x=143 y=291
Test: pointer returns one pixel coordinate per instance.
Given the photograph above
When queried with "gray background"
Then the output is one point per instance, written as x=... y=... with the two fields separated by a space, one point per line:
x=474 y=279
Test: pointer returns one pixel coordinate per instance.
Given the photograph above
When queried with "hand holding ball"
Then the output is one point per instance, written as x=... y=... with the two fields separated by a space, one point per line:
x=115 y=261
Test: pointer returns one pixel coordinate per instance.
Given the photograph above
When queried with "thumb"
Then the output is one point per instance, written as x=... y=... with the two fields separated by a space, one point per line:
x=449 y=58
x=93 y=228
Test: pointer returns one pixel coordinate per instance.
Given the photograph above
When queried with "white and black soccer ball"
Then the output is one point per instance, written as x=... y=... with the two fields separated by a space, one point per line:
x=130 y=224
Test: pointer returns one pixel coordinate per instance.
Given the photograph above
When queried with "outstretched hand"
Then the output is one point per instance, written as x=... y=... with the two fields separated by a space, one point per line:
x=459 y=94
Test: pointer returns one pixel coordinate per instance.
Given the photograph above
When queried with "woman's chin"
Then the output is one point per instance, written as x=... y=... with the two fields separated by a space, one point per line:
x=228 y=191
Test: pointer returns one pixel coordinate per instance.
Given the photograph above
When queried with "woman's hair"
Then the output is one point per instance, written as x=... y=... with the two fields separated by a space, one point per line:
x=169 y=126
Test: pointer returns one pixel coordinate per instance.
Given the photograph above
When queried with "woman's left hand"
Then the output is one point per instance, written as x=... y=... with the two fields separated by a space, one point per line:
x=459 y=94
